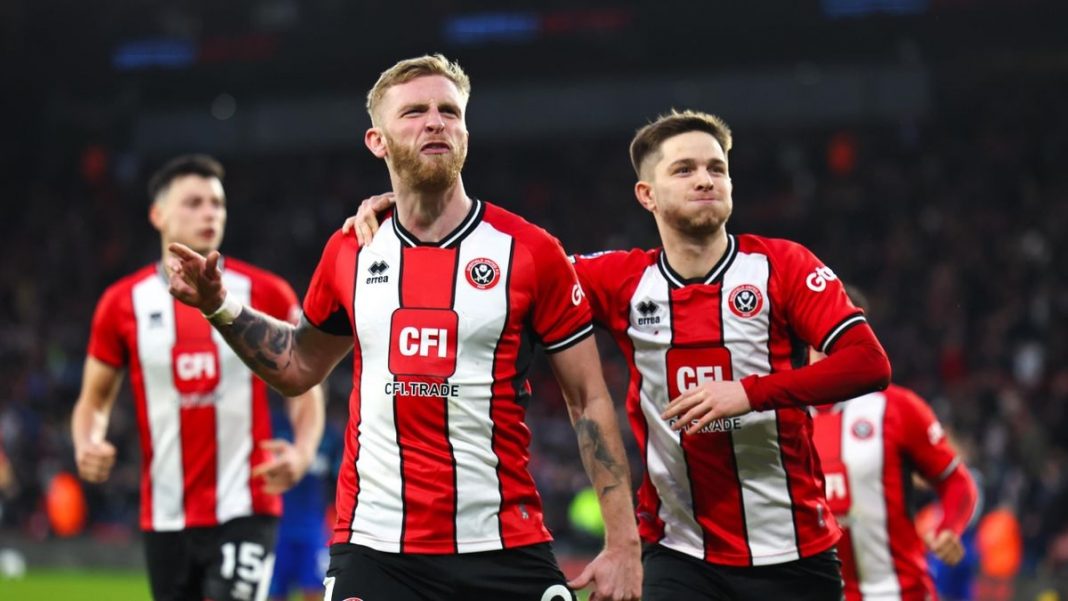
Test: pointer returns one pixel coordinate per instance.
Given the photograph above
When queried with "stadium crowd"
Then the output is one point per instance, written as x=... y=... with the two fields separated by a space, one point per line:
x=952 y=224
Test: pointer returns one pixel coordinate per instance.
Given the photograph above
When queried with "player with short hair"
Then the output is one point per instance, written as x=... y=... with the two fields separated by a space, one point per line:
x=732 y=503
x=211 y=474
x=435 y=499
x=870 y=446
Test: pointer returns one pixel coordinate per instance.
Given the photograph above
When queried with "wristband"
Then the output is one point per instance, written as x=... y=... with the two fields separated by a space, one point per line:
x=226 y=313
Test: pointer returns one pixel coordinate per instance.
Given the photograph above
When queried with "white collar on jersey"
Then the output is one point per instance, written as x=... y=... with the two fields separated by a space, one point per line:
x=717 y=271
x=474 y=215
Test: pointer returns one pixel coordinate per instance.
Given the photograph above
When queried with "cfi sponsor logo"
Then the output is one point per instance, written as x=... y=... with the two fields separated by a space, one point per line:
x=482 y=273
x=862 y=429
x=745 y=300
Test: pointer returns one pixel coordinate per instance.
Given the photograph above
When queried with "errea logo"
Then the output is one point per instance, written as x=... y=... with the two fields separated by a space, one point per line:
x=647 y=311
x=378 y=273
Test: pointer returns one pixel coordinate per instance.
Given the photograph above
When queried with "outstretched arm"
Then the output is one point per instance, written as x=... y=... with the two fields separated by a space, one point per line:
x=616 y=572
x=290 y=358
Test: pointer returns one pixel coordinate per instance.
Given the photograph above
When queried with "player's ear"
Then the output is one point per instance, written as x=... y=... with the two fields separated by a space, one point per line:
x=155 y=214
x=643 y=191
x=375 y=141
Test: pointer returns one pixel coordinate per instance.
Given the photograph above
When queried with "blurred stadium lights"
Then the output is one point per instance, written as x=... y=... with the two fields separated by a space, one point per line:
x=167 y=53
x=525 y=26
x=182 y=53
x=861 y=8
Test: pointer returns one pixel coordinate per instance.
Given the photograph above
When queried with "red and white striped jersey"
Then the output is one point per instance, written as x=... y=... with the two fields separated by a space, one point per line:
x=201 y=413
x=747 y=490
x=869 y=447
x=436 y=448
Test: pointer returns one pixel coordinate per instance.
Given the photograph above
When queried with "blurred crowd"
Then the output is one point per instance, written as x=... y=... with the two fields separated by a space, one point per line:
x=953 y=224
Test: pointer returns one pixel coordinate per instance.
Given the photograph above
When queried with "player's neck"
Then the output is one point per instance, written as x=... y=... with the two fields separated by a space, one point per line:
x=693 y=257
x=432 y=216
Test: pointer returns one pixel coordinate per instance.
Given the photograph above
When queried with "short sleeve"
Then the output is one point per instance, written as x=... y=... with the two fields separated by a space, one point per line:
x=599 y=276
x=323 y=303
x=275 y=297
x=818 y=308
x=561 y=315
x=923 y=438
x=105 y=338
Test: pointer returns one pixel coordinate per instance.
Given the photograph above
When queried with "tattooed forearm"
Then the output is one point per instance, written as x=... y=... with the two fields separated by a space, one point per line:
x=598 y=458
x=263 y=343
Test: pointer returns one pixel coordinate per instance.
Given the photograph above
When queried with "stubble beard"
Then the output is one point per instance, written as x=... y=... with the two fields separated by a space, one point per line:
x=426 y=174
x=697 y=226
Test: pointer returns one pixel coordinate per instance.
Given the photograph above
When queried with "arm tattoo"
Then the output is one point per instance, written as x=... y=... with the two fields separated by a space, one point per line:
x=265 y=344
x=597 y=456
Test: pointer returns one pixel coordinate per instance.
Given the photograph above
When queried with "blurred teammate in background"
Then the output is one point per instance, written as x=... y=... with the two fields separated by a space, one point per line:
x=435 y=499
x=869 y=447
x=301 y=555
x=732 y=504
x=211 y=474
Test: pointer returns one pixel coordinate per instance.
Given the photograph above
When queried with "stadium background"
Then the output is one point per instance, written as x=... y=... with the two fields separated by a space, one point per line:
x=917 y=146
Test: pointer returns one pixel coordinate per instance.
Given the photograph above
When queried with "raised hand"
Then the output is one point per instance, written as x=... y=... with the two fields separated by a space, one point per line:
x=705 y=403
x=195 y=280
x=365 y=222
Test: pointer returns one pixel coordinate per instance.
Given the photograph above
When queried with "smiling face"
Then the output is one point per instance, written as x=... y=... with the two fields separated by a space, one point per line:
x=191 y=210
x=421 y=132
x=686 y=184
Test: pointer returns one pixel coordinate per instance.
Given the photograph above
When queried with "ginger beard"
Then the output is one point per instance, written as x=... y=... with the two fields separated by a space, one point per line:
x=430 y=173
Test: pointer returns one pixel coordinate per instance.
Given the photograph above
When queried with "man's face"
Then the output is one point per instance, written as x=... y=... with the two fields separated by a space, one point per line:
x=423 y=132
x=689 y=186
x=192 y=211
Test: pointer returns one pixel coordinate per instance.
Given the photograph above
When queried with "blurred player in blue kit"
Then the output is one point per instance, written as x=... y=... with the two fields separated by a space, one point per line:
x=302 y=554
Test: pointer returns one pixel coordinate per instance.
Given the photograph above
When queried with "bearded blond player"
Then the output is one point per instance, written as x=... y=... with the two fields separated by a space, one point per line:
x=435 y=500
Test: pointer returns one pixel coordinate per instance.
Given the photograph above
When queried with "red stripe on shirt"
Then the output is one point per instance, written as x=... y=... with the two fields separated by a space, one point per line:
x=427 y=463
x=198 y=435
x=717 y=495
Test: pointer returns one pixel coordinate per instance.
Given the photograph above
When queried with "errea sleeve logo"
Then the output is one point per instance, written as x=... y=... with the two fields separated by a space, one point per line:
x=817 y=280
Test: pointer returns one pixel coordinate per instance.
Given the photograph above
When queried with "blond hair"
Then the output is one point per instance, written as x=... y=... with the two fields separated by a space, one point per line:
x=648 y=139
x=412 y=68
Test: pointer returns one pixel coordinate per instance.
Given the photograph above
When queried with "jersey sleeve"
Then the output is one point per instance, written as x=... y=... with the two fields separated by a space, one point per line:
x=105 y=338
x=598 y=274
x=818 y=309
x=323 y=303
x=561 y=314
x=922 y=437
x=275 y=297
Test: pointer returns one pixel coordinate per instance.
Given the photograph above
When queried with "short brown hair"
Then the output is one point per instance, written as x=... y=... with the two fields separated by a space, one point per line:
x=187 y=164
x=648 y=139
x=412 y=68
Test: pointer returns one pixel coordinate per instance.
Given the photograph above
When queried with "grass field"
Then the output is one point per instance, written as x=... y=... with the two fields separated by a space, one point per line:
x=43 y=585
x=46 y=585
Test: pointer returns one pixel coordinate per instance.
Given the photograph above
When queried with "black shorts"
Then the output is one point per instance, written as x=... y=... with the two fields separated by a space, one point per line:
x=228 y=562
x=527 y=573
x=671 y=575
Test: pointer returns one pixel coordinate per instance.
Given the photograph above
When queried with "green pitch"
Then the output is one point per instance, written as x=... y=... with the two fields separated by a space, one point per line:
x=42 y=585
x=49 y=585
